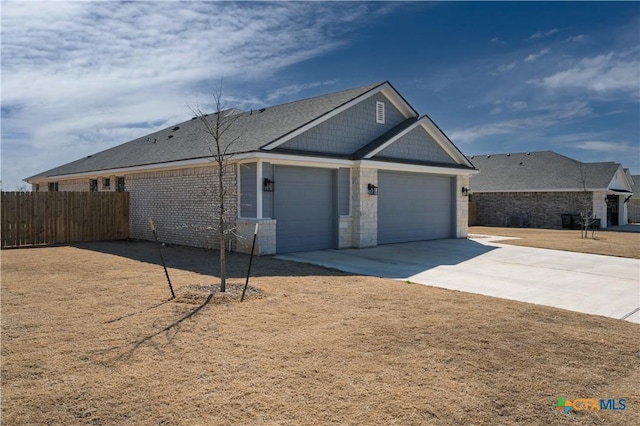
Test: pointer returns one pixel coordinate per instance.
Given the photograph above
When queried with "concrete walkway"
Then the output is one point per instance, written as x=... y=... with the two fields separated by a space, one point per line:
x=631 y=227
x=588 y=283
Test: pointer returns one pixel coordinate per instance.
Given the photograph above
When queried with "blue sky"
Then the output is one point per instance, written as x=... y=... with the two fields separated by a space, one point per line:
x=80 y=77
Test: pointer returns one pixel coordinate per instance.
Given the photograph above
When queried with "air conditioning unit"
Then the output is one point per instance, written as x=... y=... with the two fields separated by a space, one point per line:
x=515 y=221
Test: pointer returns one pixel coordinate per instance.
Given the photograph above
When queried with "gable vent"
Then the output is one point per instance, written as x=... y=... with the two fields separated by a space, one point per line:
x=380 y=112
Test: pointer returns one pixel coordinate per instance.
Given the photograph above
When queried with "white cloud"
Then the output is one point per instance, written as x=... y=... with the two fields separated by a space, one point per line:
x=506 y=67
x=603 y=73
x=497 y=40
x=551 y=115
x=534 y=56
x=496 y=111
x=70 y=70
x=542 y=34
x=606 y=146
x=578 y=37
x=296 y=88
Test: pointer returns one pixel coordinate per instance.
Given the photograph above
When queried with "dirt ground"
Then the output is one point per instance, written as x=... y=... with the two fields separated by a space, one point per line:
x=610 y=243
x=88 y=337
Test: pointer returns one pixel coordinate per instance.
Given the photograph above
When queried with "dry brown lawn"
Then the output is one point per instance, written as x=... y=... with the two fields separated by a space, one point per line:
x=610 y=243
x=88 y=337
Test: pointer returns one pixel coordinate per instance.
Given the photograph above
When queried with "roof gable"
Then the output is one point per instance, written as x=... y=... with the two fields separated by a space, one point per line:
x=418 y=140
x=345 y=132
x=385 y=89
x=620 y=181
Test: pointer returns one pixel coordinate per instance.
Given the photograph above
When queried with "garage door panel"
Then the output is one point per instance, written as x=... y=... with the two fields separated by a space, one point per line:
x=304 y=208
x=413 y=207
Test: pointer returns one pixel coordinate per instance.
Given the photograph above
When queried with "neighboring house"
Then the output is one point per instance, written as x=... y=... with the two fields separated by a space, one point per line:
x=536 y=188
x=356 y=168
x=633 y=206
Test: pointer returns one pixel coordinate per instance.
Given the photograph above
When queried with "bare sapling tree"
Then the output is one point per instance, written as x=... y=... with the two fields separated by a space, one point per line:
x=586 y=204
x=217 y=128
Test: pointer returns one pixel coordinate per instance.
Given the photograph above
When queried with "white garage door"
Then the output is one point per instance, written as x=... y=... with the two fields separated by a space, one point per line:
x=304 y=209
x=414 y=207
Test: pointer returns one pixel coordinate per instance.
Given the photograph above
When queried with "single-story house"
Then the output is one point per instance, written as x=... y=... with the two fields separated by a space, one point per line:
x=538 y=188
x=356 y=168
x=633 y=206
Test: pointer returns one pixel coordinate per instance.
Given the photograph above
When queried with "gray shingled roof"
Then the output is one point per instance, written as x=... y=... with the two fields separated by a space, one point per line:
x=538 y=171
x=251 y=131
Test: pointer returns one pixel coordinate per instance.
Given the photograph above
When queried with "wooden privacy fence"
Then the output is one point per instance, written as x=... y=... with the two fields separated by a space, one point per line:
x=35 y=218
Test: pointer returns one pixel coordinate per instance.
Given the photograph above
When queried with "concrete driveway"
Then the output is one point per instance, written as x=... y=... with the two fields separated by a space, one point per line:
x=588 y=283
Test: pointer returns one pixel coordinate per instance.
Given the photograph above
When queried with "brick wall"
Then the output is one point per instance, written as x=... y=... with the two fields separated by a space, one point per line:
x=182 y=203
x=66 y=185
x=633 y=209
x=80 y=185
x=542 y=209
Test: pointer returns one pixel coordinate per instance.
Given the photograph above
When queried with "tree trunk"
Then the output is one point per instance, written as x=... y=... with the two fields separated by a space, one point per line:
x=223 y=273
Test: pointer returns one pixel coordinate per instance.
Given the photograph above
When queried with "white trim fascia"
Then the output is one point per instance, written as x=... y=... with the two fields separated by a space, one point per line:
x=273 y=158
x=258 y=190
x=433 y=131
x=198 y=162
x=444 y=141
x=393 y=139
x=292 y=159
x=398 y=101
x=472 y=191
x=386 y=90
x=441 y=170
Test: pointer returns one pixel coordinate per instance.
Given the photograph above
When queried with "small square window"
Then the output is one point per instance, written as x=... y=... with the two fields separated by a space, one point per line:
x=53 y=186
x=37 y=187
x=93 y=185
x=380 y=112
x=120 y=184
x=106 y=183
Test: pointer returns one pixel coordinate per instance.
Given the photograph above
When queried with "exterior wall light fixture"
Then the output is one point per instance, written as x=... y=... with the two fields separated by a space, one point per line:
x=267 y=185
x=372 y=189
x=465 y=191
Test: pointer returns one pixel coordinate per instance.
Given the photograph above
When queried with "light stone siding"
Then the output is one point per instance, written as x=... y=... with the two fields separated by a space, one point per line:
x=183 y=205
x=364 y=208
x=345 y=232
x=265 y=241
x=462 y=207
x=600 y=207
x=538 y=209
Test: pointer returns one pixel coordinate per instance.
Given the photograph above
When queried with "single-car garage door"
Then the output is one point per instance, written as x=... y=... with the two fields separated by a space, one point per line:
x=413 y=207
x=305 y=212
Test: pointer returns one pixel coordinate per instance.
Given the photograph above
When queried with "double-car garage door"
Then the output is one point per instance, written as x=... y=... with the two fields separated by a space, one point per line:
x=411 y=207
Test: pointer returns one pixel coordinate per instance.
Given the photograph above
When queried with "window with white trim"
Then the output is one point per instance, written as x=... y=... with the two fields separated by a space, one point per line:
x=380 y=112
